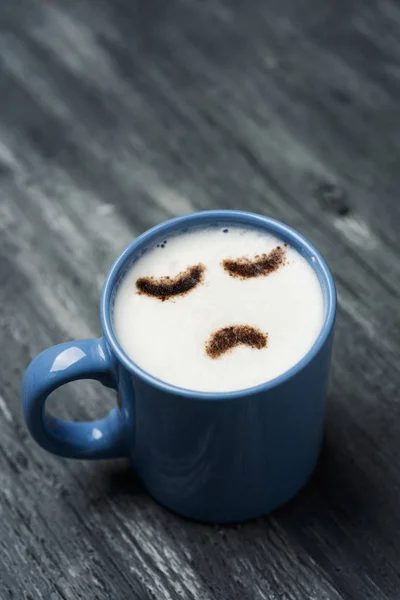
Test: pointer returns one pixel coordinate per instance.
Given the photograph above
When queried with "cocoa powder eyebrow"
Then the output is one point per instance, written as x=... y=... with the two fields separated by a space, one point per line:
x=167 y=287
x=261 y=265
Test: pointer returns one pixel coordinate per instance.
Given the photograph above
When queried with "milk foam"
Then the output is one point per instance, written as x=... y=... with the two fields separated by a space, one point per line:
x=168 y=338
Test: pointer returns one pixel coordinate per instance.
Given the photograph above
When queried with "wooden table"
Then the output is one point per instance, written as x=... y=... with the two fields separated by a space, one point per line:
x=117 y=114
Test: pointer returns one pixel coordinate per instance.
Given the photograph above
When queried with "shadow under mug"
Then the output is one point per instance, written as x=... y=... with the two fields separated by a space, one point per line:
x=219 y=457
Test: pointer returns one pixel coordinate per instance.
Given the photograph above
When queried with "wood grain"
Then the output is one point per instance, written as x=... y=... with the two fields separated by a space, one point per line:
x=115 y=115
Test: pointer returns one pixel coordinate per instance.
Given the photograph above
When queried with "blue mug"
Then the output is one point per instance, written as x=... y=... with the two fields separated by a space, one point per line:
x=219 y=457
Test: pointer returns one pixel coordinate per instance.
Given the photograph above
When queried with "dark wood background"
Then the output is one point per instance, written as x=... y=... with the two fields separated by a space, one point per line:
x=117 y=114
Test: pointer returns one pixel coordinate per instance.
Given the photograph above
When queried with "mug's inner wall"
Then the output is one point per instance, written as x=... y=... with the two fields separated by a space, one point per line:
x=286 y=235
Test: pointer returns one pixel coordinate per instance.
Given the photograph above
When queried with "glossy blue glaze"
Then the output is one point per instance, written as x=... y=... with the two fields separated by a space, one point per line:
x=222 y=457
x=84 y=359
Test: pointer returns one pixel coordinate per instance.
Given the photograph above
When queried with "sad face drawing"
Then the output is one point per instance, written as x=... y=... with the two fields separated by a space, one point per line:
x=226 y=338
x=218 y=309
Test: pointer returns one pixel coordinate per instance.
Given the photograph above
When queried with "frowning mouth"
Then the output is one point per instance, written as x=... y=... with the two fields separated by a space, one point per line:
x=226 y=338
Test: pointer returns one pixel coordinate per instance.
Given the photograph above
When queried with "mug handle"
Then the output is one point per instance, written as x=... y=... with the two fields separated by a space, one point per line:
x=52 y=368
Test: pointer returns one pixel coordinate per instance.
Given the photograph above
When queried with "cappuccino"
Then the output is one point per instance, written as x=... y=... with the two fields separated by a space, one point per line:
x=218 y=309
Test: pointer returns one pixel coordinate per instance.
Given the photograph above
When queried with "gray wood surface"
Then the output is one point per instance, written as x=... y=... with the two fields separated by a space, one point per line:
x=117 y=114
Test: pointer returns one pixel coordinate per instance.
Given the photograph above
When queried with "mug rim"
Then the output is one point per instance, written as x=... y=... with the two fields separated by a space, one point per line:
x=282 y=231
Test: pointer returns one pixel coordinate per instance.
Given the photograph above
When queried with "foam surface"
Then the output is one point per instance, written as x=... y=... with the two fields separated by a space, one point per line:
x=168 y=338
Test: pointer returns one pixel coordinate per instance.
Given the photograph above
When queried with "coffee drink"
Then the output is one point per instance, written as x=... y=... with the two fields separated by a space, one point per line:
x=218 y=309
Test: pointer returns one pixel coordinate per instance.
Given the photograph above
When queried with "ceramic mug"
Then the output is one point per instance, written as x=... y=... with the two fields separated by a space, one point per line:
x=220 y=457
